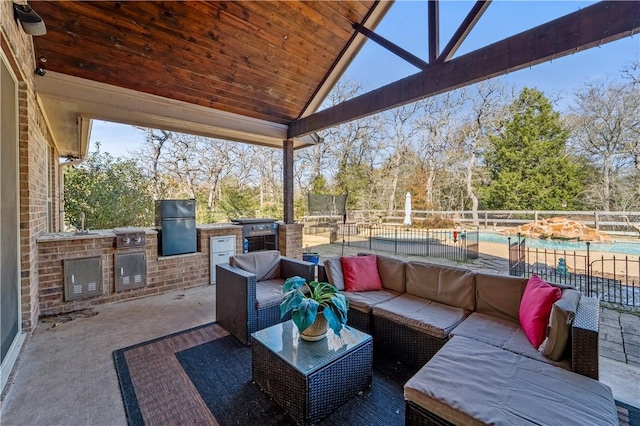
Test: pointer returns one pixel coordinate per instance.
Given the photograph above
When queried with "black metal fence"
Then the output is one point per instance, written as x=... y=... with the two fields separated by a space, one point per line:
x=455 y=245
x=517 y=261
x=614 y=280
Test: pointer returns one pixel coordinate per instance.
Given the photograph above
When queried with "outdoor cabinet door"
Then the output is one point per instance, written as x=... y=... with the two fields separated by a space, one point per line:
x=221 y=249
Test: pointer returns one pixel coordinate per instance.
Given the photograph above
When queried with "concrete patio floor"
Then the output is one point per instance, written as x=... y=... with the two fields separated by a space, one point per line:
x=66 y=375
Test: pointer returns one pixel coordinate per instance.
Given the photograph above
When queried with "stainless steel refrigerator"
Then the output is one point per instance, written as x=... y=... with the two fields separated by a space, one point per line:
x=176 y=224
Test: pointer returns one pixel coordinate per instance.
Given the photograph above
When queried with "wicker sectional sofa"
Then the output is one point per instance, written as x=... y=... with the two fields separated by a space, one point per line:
x=449 y=321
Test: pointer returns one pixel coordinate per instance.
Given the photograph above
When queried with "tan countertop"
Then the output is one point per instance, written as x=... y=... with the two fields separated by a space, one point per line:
x=108 y=233
x=91 y=234
x=208 y=226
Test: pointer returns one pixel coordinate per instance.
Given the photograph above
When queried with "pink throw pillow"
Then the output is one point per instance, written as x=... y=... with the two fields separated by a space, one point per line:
x=535 y=308
x=361 y=273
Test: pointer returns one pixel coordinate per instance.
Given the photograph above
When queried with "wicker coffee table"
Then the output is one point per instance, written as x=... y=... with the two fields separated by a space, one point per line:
x=310 y=379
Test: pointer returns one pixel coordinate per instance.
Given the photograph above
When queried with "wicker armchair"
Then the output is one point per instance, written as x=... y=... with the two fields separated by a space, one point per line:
x=249 y=290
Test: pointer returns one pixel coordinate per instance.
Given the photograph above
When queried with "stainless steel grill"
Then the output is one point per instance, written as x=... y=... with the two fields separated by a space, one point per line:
x=130 y=237
x=258 y=234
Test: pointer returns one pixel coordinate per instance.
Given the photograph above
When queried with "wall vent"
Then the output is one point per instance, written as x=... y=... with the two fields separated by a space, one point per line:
x=82 y=278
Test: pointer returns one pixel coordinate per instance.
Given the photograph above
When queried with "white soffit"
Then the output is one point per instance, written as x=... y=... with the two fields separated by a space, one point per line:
x=70 y=101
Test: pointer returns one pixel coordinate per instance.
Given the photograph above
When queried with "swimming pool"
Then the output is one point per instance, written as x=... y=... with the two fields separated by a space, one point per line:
x=616 y=247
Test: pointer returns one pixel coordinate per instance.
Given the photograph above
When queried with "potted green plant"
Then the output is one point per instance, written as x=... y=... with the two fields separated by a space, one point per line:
x=305 y=306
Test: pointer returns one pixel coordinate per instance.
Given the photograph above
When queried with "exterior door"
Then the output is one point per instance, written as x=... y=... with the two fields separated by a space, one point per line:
x=10 y=328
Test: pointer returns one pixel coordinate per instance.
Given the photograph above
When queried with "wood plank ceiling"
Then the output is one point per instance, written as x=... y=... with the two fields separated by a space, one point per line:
x=264 y=60
x=276 y=60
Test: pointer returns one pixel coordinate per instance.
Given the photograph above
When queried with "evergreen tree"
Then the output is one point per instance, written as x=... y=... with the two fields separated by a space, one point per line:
x=527 y=160
x=320 y=186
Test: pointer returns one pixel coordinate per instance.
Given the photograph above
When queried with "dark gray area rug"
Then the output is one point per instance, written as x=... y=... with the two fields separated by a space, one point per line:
x=203 y=376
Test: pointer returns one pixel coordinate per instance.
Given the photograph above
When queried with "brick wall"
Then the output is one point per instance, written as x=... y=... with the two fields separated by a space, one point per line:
x=17 y=47
x=34 y=145
x=163 y=273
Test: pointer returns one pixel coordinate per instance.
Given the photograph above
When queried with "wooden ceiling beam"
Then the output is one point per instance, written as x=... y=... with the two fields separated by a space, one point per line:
x=433 y=16
x=463 y=30
x=391 y=47
x=601 y=23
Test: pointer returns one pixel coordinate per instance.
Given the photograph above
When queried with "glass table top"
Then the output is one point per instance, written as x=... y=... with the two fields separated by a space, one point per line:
x=284 y=340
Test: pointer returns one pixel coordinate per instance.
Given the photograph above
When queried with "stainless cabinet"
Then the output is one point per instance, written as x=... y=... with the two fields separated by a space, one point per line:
x=130 y=270
x=220 y=249
x=82 y=278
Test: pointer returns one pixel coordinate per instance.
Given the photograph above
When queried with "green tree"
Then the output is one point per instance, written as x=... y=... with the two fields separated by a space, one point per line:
x=353 y=180
x=110 y=192
x=320 y=186
x=238 y=200
x=528 y=162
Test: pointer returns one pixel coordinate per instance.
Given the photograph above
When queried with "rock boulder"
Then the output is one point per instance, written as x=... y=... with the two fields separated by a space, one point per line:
x=559 y=228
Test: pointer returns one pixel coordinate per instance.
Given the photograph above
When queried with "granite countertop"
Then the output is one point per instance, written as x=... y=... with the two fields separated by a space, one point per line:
x=109 y=233
x=91 y=234
x=56 y=236
x=207 y=226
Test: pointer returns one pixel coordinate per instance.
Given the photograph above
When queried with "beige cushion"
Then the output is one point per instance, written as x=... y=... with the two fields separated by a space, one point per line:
x=499 y=295
x=559 y=329
x=503 y=334
x=486 y=328
x=269 y=292
x=333 y=269
x=392 y=273
x=429 y=317
x=449 y=285
x=363 y=301
x=472 y=383
x=263 y=264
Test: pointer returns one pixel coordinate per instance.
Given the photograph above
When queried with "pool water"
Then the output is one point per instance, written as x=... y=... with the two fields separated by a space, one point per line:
x=616 y=247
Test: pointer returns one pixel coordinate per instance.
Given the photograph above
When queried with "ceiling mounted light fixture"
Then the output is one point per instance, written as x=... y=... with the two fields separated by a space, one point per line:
x=30 y=21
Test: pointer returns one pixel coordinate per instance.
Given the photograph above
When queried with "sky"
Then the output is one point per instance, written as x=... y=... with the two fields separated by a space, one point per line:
x=406 y=25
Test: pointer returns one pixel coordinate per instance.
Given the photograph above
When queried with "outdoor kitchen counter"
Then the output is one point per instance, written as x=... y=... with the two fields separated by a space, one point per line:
x=209 y=230
x=100 y=233
x=108 y=233
x=163 y=273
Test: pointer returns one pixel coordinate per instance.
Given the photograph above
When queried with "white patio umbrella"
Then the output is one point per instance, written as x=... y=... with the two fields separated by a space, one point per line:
x=407 y=210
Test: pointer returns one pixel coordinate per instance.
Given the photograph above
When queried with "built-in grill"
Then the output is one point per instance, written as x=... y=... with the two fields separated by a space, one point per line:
x=130 y=237
x=130 y=266
x=258 y=234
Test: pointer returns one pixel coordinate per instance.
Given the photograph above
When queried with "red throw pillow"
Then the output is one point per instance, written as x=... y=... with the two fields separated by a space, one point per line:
x=535 y=308
x=361 y=273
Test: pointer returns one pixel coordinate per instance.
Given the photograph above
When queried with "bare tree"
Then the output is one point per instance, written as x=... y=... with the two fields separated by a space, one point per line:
x=217 y=158
x=268 y=168
x=182 y=161
x=353 y=150
x=150 y=159
x=604 y=125
x=311 y=162
x=487 y=107
x=400 y=129
x=436 y=132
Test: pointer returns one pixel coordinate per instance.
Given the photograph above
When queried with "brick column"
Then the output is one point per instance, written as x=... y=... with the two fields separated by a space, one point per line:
x=290 y=239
